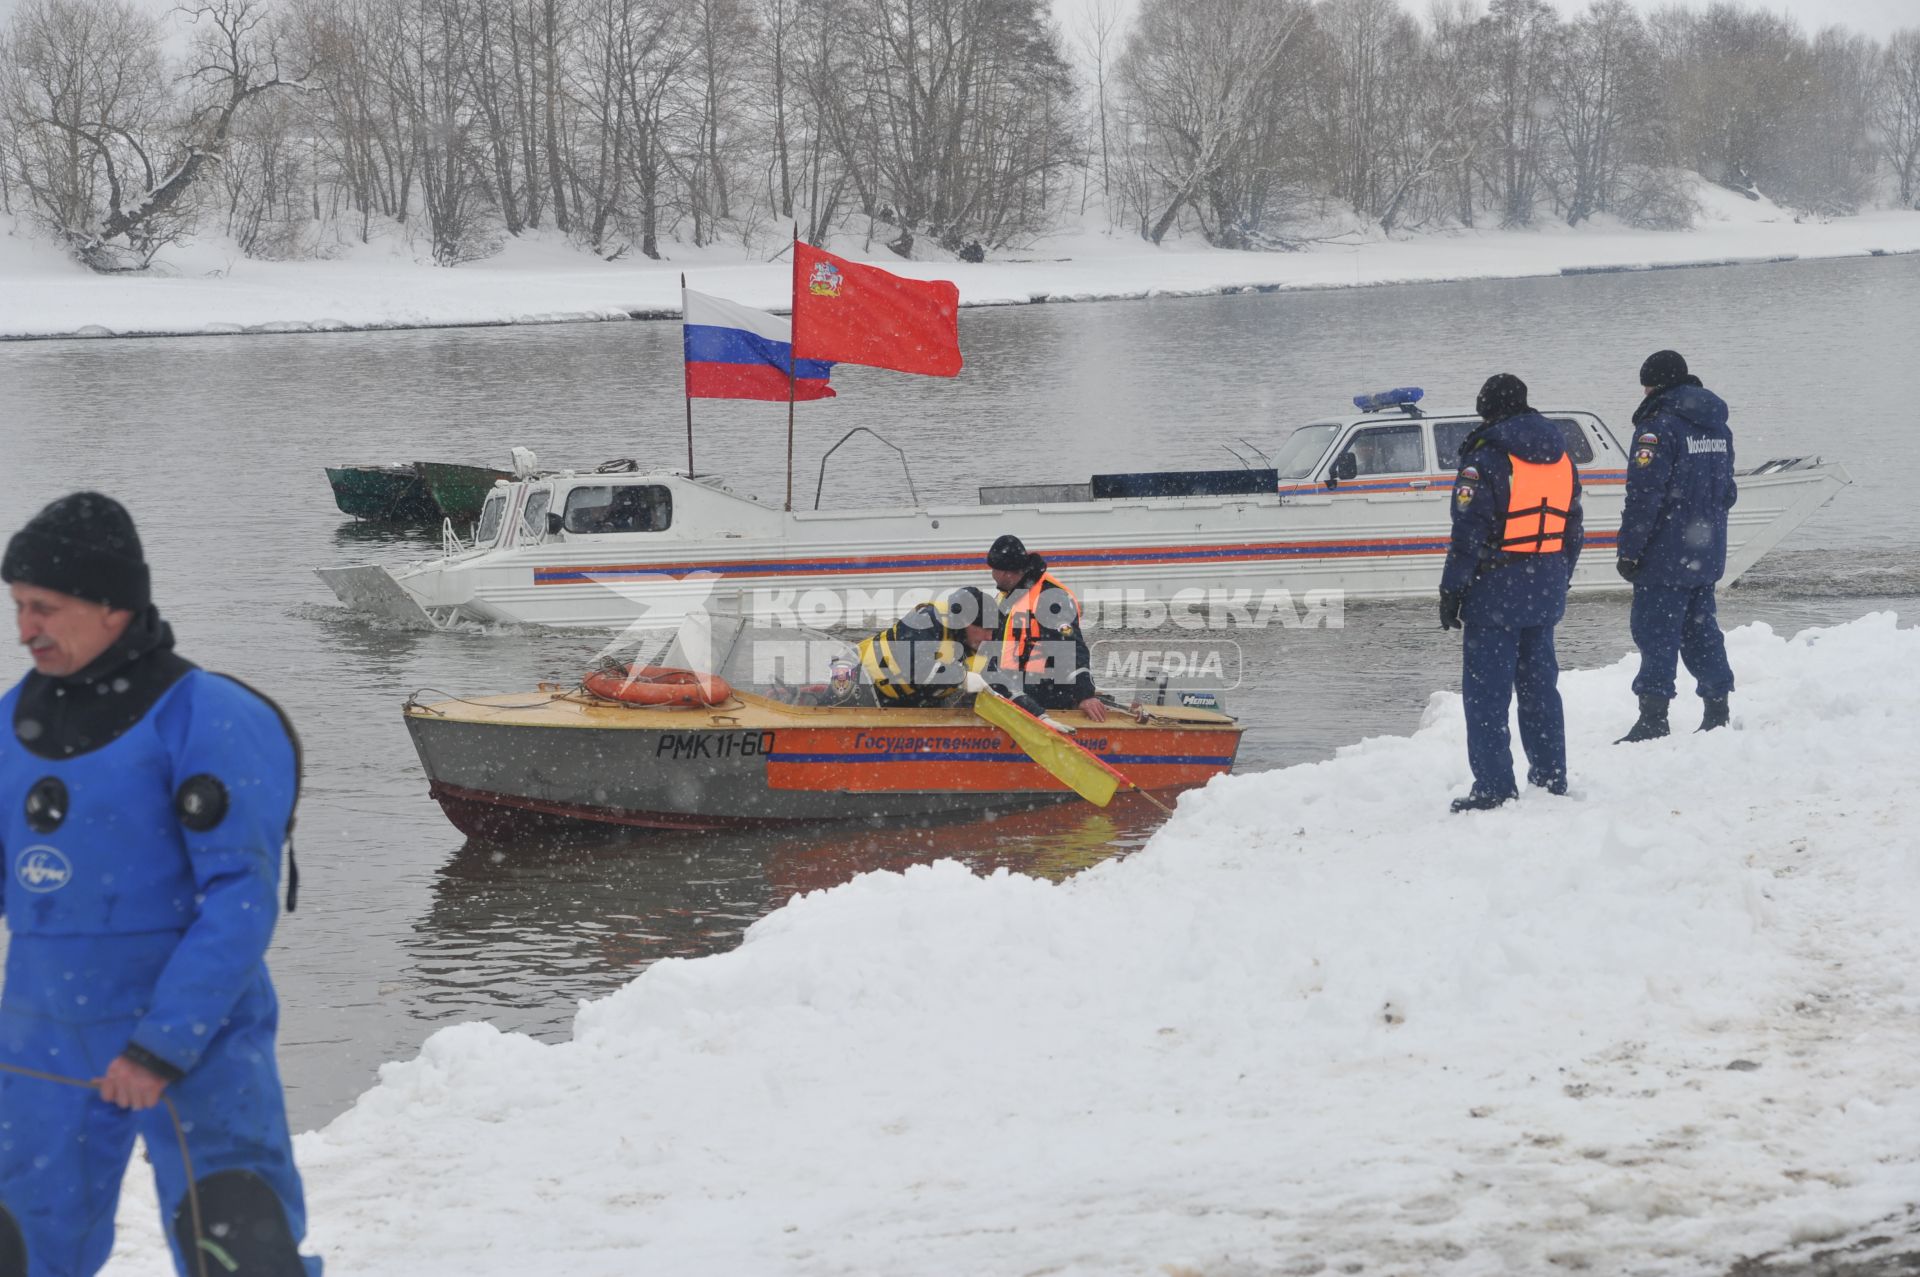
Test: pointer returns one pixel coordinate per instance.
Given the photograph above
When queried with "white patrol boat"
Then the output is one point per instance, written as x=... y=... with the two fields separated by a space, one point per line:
x=1357 y=504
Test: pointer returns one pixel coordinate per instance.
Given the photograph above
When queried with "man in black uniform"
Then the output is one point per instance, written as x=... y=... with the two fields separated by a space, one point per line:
x=918 y=662
x=1673 y=541
x=1042 y=652
x=1517 y=533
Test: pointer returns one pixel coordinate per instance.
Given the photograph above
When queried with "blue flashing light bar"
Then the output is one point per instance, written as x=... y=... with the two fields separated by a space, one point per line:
x=1388 y=398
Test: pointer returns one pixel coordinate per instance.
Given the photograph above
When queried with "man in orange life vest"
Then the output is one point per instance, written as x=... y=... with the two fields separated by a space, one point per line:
x=1516 y=537
x=1041 y=654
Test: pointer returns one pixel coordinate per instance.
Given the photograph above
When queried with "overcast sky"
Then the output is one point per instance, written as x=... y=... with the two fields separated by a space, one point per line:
x=1877 y=18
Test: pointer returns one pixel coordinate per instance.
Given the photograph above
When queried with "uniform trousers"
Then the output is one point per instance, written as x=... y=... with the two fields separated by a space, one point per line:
x=1496 y=663
x=1679 y=623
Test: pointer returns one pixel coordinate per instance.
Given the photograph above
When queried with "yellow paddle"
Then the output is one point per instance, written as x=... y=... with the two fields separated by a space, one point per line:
x=1072 y=764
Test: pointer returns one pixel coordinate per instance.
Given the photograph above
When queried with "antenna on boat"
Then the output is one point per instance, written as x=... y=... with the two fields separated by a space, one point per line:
x=1263 y=456
x=1237 y=457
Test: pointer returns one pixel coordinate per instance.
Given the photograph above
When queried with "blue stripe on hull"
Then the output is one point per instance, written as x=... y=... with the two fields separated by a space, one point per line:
x=1133 y=556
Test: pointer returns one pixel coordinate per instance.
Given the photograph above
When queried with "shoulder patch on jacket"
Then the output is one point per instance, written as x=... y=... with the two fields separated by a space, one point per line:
x=1469 y=473
x=1462 y=494
x=1648 y=437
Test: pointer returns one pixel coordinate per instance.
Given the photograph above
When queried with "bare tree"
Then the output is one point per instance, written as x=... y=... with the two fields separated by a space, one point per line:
x=1457 y=107
x=1601 y=93
x=84 y=97
x=1897 y=112
x=1826 y=149
x=1205 y=82
x=1432 y=103
x=721 y=34
x=1518 y=43
x=1726 y=75
x=1099 y=38
x=235 y=58
x=959 y=117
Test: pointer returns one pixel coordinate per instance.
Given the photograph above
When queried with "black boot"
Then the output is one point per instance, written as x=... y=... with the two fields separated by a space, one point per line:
x=1652 y=723
x=1479 y=800
x=1715 y=715
x=1553 y=784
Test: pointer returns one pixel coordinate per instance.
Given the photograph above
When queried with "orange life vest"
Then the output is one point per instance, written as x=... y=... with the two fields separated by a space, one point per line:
x=1016 y=634
x=1540 y=497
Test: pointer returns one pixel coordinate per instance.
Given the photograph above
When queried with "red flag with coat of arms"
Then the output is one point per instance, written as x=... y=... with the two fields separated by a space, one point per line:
x=850 y=313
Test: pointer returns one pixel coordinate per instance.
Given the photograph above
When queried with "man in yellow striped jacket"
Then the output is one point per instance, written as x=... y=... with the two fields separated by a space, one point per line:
x=920 y=660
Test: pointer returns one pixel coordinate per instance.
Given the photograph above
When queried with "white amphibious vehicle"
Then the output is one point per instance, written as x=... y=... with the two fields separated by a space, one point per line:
x=1357 y=504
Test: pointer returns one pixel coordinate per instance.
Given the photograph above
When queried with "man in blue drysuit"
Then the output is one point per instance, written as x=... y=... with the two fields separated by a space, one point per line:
x=1673 y=541
x=1516 y=537
x=144 y=803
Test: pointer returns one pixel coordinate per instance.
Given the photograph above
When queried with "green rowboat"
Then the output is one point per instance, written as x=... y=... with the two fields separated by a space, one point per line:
x=387 y=494
x=459 y=491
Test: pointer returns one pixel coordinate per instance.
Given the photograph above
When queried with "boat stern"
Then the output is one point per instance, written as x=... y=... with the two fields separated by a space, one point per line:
x=374 y=589
x=1776 y=497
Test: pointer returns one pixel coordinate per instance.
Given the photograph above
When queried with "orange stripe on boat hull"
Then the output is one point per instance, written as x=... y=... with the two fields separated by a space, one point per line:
x=975 y=760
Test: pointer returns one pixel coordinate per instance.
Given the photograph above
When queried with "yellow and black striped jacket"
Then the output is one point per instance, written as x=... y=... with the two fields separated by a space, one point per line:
x=915 y=663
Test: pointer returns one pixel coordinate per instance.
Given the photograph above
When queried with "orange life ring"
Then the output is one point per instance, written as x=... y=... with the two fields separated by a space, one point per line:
x=658 y=685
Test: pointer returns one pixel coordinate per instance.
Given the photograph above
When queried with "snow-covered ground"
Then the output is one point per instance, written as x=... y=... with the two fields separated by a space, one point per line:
x=208 y=288
x=1317 y=1024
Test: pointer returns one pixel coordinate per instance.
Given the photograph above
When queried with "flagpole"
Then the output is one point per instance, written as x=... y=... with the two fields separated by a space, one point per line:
x=688 y=390
x=793 y=334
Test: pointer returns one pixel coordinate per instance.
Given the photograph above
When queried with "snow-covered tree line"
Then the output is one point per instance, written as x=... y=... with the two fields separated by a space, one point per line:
x=1236 y=116
x=963 y=125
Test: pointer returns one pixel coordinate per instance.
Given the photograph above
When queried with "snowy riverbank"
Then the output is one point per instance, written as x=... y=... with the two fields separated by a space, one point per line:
x=1317 y=1022
x=210 y=289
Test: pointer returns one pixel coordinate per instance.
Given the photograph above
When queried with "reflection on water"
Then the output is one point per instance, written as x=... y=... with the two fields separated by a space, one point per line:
x=217 y=445
x=518 y=932
x=357 y=538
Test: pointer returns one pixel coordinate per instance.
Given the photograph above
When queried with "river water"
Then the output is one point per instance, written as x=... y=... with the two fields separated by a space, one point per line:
x=217 y=444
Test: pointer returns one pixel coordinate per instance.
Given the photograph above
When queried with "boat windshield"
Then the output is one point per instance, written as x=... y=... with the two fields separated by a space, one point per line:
x=492 y=515
x=1304 y=448
x=762 y=658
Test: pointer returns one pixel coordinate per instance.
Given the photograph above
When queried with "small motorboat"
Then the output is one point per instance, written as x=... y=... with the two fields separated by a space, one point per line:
x=393 y=493
x=724 y=752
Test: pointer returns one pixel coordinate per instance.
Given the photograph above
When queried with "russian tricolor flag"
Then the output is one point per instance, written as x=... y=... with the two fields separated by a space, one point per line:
x=736 y=352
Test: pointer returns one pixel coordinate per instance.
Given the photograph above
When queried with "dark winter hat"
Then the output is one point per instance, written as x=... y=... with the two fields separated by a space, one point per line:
x=1504 y=395
x=83 y=545
x=969 y=605
x=1009 y=554
x=1663 y=368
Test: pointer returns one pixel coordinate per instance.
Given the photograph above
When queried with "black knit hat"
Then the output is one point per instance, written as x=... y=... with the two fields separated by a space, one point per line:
x=1009 y=554
x=83 y=545
x=1663 y=368
x=969 y=605
x=1504 y=395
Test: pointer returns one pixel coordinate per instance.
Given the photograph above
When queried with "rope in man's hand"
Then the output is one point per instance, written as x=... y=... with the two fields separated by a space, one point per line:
x=200 y=1242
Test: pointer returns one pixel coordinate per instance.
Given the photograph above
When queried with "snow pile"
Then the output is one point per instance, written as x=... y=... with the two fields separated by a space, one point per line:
x=1316 y=1022
x=209 y=287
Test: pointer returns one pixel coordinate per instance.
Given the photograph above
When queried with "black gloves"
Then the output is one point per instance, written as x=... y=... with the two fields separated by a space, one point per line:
x=1627 y=568
x=1450 y=601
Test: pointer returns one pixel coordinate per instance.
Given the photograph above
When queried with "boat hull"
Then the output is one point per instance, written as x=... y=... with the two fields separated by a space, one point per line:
x=498 y=766
x=459 y=491
x=1115 y=554
x=382 y=494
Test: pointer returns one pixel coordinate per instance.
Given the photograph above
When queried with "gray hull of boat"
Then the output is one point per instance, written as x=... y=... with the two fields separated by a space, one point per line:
x=491 y=777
